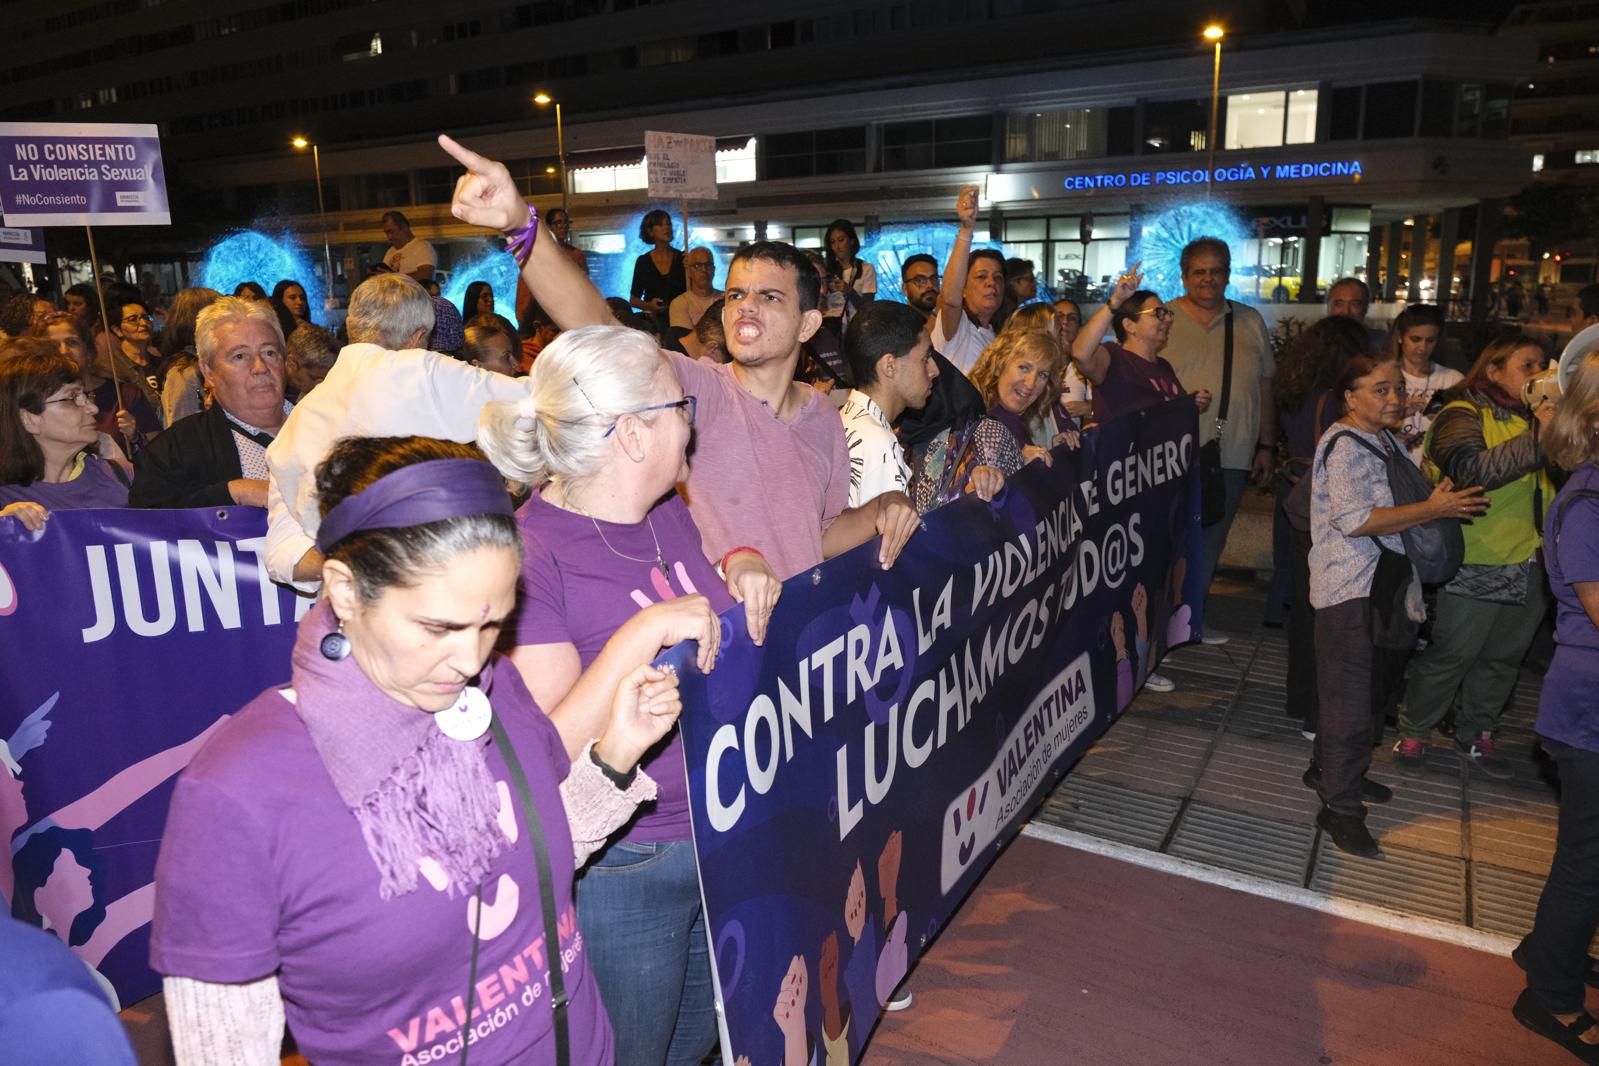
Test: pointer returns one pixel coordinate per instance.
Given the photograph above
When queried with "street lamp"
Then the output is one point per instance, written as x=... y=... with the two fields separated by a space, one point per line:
x=544 y=99
x=1214 y=33
x=301 y=144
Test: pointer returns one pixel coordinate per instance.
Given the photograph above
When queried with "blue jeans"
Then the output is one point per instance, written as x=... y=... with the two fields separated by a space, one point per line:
x=644 y=932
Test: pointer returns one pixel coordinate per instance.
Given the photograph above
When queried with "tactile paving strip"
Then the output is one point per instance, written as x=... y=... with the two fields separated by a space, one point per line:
x=1236 y=840
x=1402 y=880
x=1113 y=812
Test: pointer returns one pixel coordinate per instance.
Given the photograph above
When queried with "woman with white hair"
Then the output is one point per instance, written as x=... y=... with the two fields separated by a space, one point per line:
x=603 y=436
x=218 y=457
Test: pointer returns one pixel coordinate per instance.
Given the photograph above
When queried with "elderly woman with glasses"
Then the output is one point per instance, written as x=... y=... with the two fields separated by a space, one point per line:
x=614 y=570
x=47 y=438
x=1129 y=373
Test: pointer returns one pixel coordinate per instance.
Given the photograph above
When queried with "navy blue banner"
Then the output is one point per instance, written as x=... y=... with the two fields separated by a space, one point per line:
x=852 y=779
x=125 y=638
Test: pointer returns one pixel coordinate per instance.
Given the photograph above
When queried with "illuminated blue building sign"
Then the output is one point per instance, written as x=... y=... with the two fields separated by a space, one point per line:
x=1238 y=173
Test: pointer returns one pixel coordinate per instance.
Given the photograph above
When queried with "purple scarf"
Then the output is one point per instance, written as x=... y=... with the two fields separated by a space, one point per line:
x=415 y=792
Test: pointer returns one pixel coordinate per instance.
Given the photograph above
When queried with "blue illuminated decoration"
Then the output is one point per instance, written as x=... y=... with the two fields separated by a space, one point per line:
x=1226 y=174
x=493 y=265
x=896 y=242
x=1163 y=236
x=250 y=255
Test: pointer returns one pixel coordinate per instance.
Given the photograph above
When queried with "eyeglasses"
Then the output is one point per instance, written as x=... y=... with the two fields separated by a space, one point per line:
x=688 y=403
x=922 y=279
x=1161 y=313
x=702 y=266
x=82 y=399
x=138 y=318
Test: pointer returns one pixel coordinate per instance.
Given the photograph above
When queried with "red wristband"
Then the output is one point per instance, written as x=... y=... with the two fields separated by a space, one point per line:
x=722 y=566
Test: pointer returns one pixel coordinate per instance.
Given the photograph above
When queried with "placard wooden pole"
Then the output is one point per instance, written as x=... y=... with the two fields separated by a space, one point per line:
x=111 y=339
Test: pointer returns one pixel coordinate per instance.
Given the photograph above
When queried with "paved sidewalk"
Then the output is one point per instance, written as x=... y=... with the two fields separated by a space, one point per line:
x=1211 y=773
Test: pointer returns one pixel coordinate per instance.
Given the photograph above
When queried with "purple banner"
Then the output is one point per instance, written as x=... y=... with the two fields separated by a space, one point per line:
x=81 y=174
x=21 y=245
x=125 y=638
x=853 y=778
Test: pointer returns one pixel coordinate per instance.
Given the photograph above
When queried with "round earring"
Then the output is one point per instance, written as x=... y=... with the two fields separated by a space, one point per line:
x=336 y=645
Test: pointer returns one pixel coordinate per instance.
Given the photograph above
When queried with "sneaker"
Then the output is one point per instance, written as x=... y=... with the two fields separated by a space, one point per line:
x=1214 y=639
x=900 y=1000
x=1370 y=791
x=1159 y=682
x=1411 y=754
x=1484 y=753
x=1348 y=833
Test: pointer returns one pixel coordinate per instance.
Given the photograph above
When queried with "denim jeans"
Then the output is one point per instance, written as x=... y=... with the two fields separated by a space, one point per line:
x=1556 y=951
x=644 y=931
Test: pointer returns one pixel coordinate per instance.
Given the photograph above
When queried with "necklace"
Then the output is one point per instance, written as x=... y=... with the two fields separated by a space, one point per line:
x=649 y=520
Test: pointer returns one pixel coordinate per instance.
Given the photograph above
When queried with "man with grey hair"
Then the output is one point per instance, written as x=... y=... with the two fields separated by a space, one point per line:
x=383 y=384
x=218 y=456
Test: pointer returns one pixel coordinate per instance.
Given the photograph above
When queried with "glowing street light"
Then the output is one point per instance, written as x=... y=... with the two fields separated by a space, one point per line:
x=301 y=144
x=544 y=99
x=1213 y=33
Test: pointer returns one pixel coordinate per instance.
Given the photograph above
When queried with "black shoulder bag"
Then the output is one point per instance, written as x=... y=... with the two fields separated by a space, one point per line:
x=1212 y=485
x=552 y=931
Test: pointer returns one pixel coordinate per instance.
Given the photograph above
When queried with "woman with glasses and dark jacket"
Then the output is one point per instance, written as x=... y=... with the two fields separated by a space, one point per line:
x=47 y=438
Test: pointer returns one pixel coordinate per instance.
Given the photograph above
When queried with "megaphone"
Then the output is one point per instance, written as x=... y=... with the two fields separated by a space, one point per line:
x=1584 y=344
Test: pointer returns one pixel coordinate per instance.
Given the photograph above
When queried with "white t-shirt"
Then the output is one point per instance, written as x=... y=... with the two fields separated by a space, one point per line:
x=687 y=307
x=966 y=345
x=1418 y=394
x=410 y=257
x=861 y=277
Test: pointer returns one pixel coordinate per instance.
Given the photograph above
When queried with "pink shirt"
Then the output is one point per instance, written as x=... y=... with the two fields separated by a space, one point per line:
x=757 y=480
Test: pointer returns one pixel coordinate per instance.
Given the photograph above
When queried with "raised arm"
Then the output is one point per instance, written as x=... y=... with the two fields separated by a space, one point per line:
x=949 y=297
x=1088 y=350
x=486 y=196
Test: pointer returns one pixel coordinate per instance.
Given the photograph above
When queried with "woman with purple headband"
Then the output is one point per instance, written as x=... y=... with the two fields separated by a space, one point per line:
x=381 y=852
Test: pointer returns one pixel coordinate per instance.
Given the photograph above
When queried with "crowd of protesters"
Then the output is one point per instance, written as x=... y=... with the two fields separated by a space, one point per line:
x=490 y=518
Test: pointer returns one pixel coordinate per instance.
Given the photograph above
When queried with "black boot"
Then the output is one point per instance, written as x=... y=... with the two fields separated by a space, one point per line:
x=1370 y=791
x=1348 y=833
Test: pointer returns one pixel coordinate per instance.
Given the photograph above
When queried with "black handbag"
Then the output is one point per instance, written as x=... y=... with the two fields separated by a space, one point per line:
x=1212 y=484
x=1391 y=625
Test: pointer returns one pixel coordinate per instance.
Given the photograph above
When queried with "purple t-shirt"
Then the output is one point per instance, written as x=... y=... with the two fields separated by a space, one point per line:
x=263 y=870
x=578 y=588
x=1567 y=711
x=97 y=486
x=758 y=480
x=1133 y=383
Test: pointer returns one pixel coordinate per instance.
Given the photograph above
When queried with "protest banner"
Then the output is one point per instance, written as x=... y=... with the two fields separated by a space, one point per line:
x=21 y=244
x=125 y=637
x=82 y=174
x=851 y=779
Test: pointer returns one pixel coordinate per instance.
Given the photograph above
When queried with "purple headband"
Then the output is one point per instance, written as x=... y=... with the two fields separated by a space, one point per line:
x=413 y=495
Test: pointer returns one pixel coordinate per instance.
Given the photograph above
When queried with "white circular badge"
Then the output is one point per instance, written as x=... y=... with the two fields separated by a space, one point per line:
x=469 y=718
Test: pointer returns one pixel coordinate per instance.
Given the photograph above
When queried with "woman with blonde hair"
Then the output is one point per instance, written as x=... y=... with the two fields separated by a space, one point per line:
x=602 y=438
x=182 y=390
x=1486 y=435
x=1555 y=953
x=1017 y=375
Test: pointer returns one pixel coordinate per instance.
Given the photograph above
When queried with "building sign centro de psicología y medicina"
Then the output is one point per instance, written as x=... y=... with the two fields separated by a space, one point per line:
x=1231 y=174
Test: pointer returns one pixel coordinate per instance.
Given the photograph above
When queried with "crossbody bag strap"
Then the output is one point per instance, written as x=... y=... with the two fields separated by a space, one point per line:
x=1226 y=370
x=541 y=858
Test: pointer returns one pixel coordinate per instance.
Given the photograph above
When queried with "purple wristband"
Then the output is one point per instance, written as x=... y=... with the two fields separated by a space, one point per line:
x=519 y=242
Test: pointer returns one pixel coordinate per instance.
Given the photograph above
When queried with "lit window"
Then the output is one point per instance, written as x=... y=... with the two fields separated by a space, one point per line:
x=611 y=178
x=1270 y=119
x=1537 y=162
x=1587 y=155
x=736 y=164
x=376 y=47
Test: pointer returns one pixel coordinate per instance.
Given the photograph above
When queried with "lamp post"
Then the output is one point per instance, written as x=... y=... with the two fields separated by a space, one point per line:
x=300 y=144
x=544 y=100
x=1215 y=33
